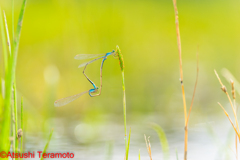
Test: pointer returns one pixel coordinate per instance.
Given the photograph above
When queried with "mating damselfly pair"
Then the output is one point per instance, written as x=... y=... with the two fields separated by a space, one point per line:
x=64 y=101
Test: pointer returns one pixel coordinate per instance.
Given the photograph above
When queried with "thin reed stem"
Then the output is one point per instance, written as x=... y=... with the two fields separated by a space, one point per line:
x=180 y=57
x=194 y=91
x=124 y=108
x=181 y=78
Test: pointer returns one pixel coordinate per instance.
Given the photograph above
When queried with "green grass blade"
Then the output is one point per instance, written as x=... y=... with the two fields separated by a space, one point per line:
x=6 y=28
x=21 y=150
x=4 y=42
x=109 y=150
x=17 y=35
x=127 y=151
x=176 y=154
x=10 y=76
x=163 y=140
x=46 y=146
x=5 y=130
x=139 y=157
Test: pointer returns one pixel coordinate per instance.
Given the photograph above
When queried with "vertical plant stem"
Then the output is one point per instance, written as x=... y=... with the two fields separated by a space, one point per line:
x=12 y=19
x=181 y=78
x=15 y=114
x=235 y=107
x=121 y=62
x=21 y=124
x=124 y=109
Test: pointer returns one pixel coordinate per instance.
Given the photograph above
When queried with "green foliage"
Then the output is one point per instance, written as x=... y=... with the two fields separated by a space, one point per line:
x=10 y=67
x=47 y=144
x=4 y=42
x=163 y=140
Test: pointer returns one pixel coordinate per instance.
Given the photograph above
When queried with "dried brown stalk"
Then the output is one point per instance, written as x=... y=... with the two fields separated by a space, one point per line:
x=186 y=116
x=230 y=120
x=224 y=89
x=194 y=91
x=148 y=145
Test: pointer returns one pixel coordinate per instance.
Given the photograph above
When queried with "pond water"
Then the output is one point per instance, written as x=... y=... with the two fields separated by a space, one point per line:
x=213 y=140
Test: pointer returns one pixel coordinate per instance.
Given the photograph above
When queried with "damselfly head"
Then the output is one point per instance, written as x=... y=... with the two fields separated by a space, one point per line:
x=114 y=53
x=93 y=90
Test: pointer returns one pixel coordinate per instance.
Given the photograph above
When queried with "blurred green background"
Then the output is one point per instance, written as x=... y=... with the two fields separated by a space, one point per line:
x=54 y=31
